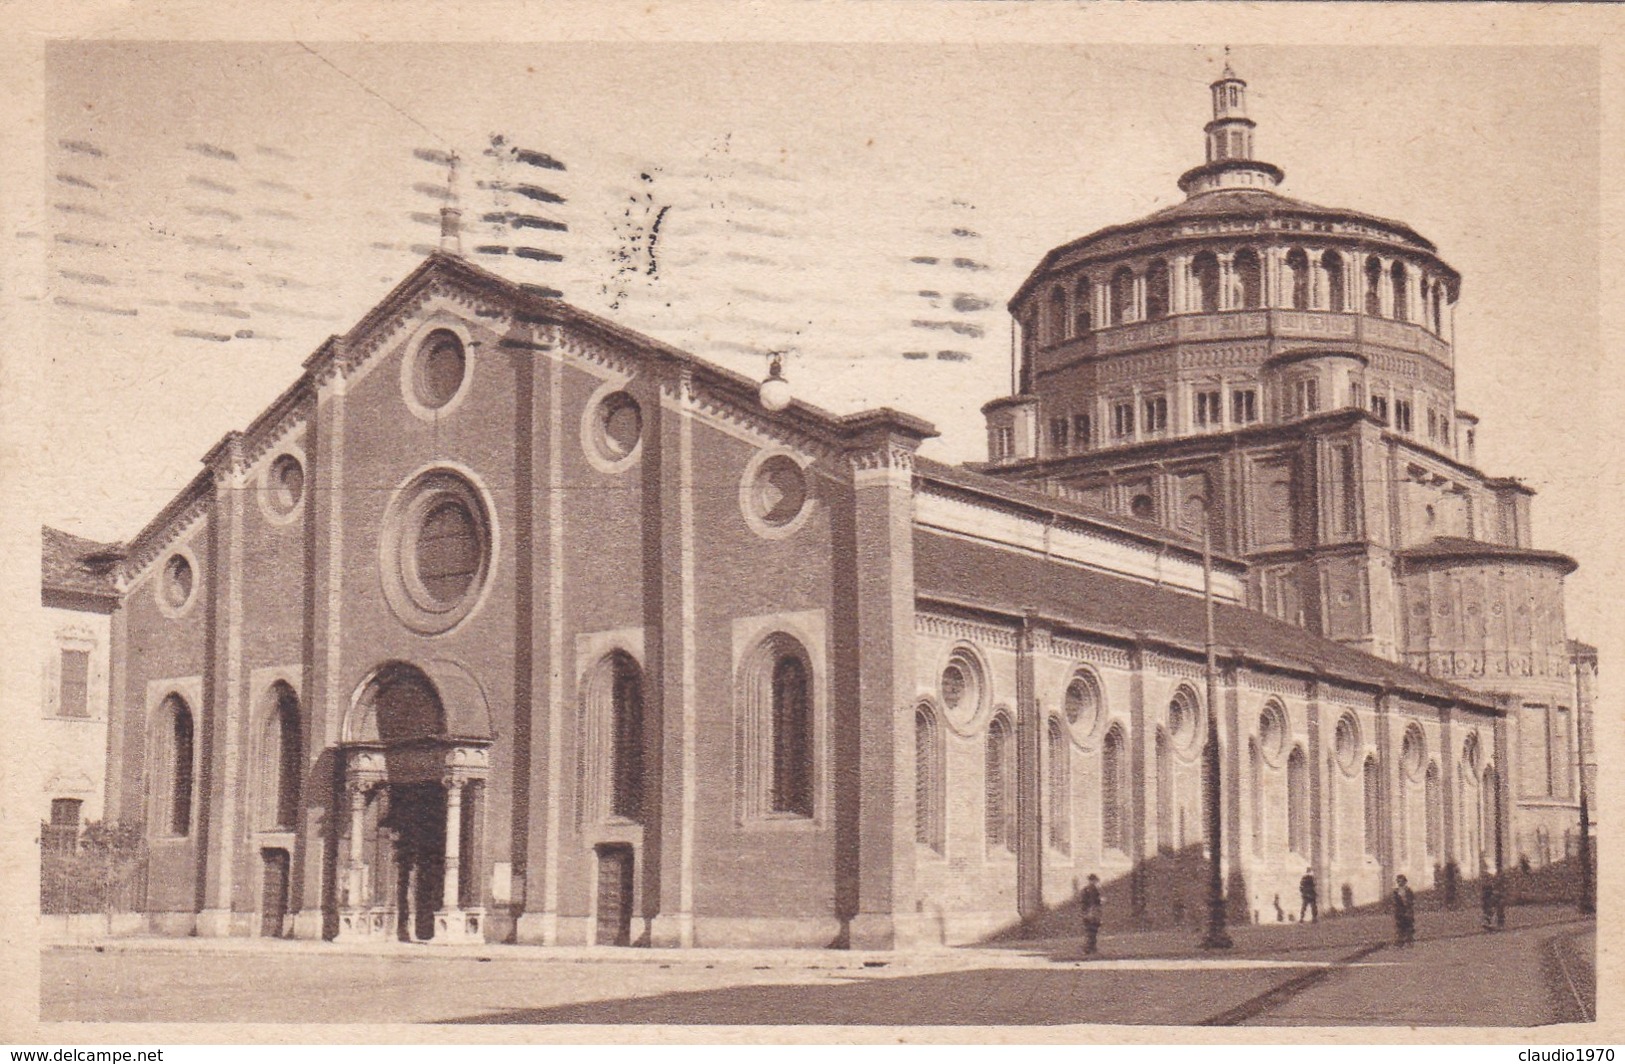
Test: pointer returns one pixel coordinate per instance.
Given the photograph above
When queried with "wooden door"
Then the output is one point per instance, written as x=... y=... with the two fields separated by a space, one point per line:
x=614 y=896
x=273 y=893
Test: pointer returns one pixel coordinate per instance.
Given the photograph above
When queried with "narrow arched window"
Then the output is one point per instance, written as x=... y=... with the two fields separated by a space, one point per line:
x=1297 y=279
x=1433 y=798
x=1297 y=801
x=1059 y=327
x=176 y=765
x=1156 y=290
x=1402 y=296
x=1060 y=787
x=929 y=792
x=792 y=738
x=1122 y=295
x=1113 y=791
x=281 y=756
x=1249 y=279
x=1370 y=782
x=1205 y=271
x=1083 y=300
x=1373 y=287
x=1336 y=288
x=626 y=727
x=999 y=781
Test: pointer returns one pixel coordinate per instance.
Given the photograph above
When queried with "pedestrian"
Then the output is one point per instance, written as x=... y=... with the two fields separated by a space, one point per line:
x=1486 y=900
x=1404 y=913
x=1310 y=896
x=1089 y=904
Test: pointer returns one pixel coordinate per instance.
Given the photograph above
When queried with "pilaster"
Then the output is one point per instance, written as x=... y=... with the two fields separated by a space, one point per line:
x=1029 y=791
x=881 y=458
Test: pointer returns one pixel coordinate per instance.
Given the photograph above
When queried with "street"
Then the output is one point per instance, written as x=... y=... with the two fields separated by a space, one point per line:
x=1339 y=972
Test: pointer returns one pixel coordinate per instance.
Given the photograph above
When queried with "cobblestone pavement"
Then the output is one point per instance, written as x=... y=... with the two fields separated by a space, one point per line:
x=1336 y=972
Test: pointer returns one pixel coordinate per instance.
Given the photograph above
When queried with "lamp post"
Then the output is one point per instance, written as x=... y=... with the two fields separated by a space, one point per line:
x=1216 y=937
x=1588 y=898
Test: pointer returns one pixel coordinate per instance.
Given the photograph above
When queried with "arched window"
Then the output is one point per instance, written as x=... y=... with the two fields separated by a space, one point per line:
x=1373 y=287
x=1438 y=309
x=1059 y=327
x=610 y=772
x=1205 y=272
x=281 y=756
x=1122 y=295
x=929 y=792
x=1165 y=797
x=1402 y=295
x=1000 y=780
x=1297 y=802
x=1114 y=791
x=1060 y=786
x=1370 y=781
x=626 y=713
x=1156 y=290
x=175 y=765
x=1434 y=800
x=1249 y=279
x=1336 y=288
x=1083 y=301
x=776 y=737
x=1297 y=279
x=792 y=737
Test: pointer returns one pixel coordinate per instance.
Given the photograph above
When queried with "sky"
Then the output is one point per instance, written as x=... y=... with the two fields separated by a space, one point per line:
x=211 y=212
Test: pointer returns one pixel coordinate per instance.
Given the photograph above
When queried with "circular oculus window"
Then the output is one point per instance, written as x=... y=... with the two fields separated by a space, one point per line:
x=1083 y=704
x=1272 y=733
x=960 y=688
x=1184 y=722
x=618 y=426
x=439 y=368
x=285 y=485
x=178 y=582
x=436 y=551
x=779 y=491
x=1346 y=744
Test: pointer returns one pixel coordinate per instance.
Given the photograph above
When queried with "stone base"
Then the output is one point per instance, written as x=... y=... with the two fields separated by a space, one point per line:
x=365 y=925
x=537 y=929
x=672 y=932
x=458 y=927
x=872 y=931
x=309 y=924
x=214 y=923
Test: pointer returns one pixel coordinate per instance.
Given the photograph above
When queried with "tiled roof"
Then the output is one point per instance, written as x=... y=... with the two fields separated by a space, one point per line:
x=1033 y=498
x=1456 y=548
x=68 y=563
x=977 y=575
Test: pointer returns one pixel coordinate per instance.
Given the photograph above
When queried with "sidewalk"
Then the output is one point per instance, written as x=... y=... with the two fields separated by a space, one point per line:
x=1326 y=942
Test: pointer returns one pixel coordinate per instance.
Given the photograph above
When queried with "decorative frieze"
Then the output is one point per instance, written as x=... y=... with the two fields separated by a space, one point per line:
x=960 y=629
x=1180 y=667
x=1089 y=653
x=1274 y=683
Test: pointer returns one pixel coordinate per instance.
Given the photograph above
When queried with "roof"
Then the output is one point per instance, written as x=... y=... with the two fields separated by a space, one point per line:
x=77 y=566
x=1455 y=548
x=975 y=575
x=1230 y=203
x=1035 y=499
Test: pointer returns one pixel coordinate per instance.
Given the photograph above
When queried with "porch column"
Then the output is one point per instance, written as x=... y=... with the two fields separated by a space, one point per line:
x=450 y=894
x=363 y=771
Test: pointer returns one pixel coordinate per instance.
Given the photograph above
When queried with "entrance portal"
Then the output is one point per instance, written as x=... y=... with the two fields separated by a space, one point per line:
x=614 y=896
x=273 y=893
x=417 y=822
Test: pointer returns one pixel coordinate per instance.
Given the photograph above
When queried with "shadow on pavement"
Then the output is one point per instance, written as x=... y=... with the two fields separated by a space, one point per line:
x=983 y=997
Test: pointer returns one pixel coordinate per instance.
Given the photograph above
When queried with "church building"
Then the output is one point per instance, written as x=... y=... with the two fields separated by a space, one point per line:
x=505 y=623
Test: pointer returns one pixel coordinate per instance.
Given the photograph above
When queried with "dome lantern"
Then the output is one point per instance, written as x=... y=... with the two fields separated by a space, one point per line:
x=1230 y=163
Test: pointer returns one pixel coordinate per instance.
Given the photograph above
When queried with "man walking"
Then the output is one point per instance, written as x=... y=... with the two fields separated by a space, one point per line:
x=1311 y=897
x=1089 y=903
x=1404 y=914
